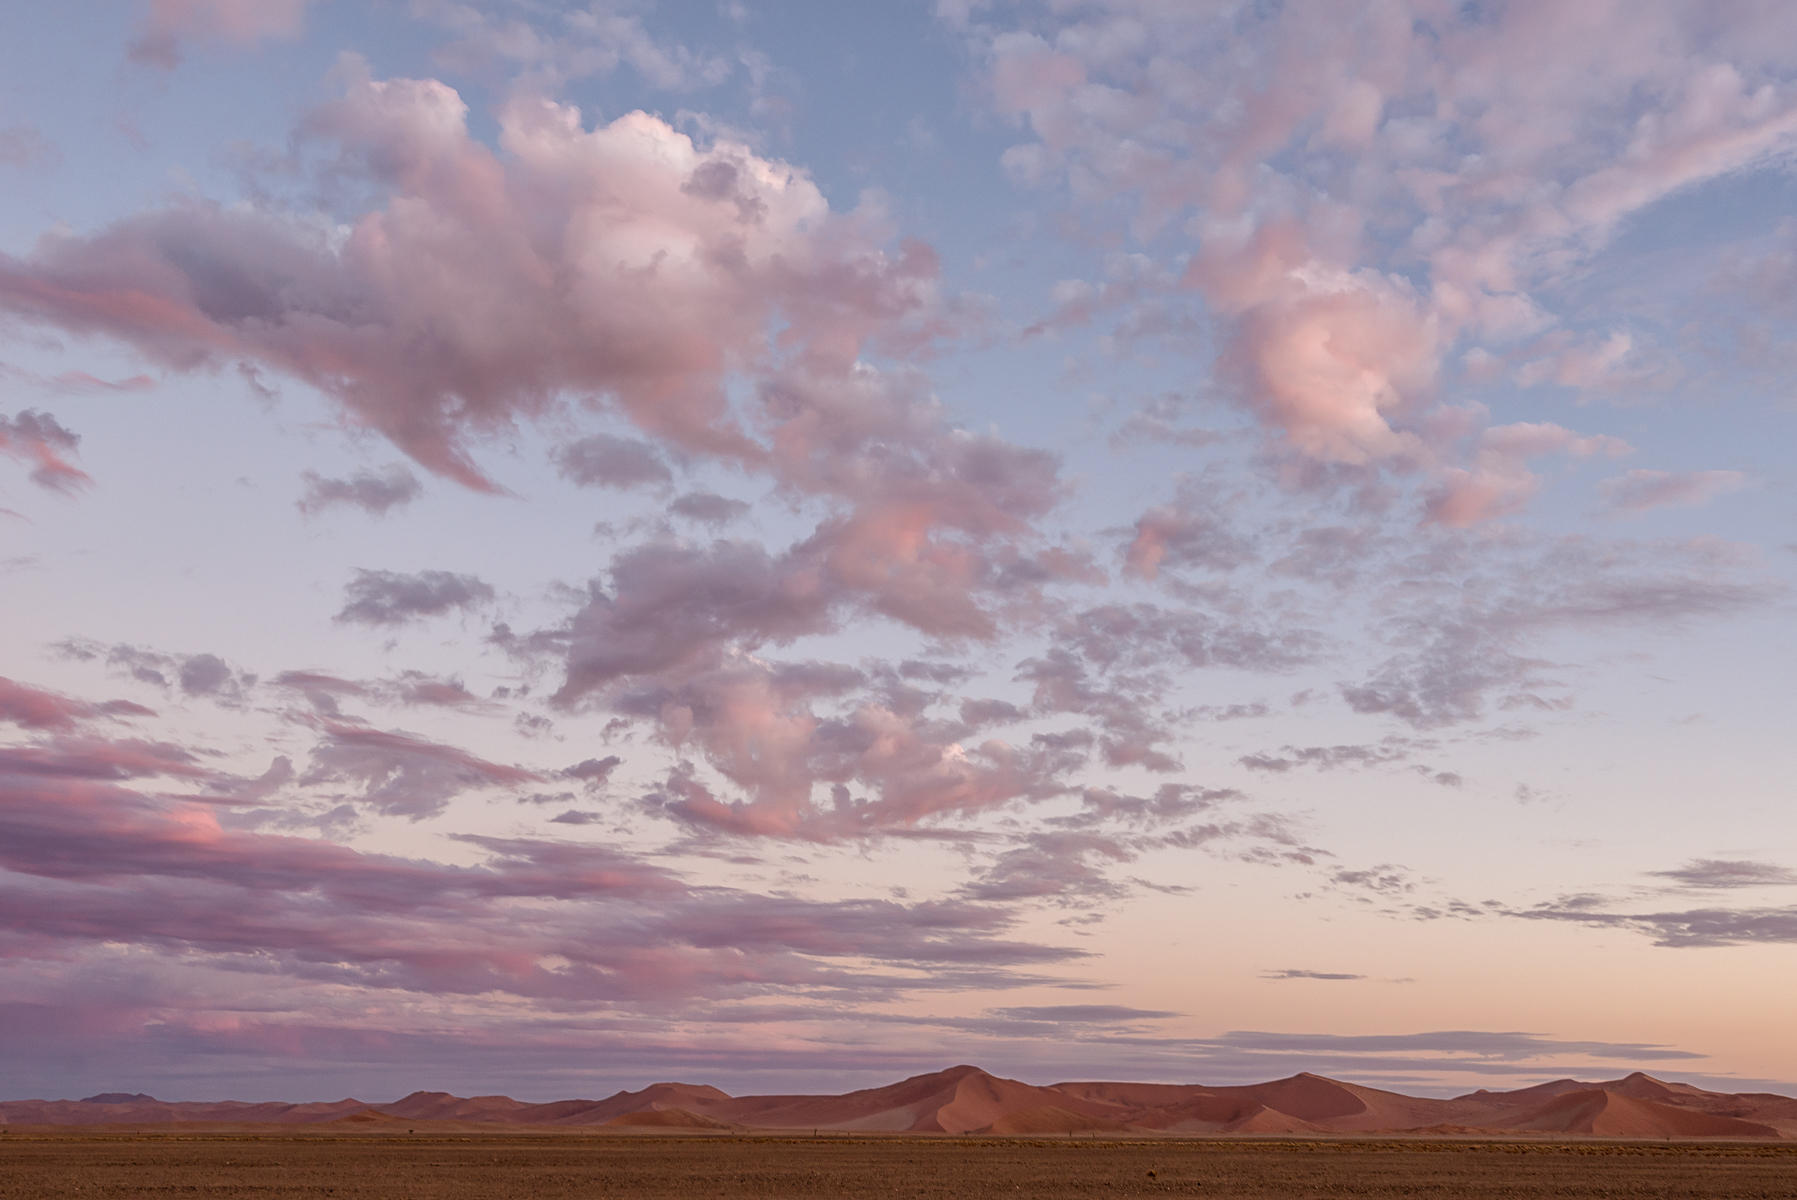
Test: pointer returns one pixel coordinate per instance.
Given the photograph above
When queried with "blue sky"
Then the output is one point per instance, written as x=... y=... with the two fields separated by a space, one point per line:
x=554 y=545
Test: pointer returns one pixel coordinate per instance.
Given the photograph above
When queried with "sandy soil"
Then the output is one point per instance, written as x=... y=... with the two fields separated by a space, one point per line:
x=399 y=1166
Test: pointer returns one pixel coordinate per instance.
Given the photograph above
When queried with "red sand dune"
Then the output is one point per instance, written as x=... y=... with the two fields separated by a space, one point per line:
x=1262 y=1119
x=667 y=1118
x=959 y=1100
x=967 y=1100
x=1603 y=1113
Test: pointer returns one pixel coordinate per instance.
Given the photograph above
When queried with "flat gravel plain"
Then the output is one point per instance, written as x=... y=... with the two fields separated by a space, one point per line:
x=102 y=1166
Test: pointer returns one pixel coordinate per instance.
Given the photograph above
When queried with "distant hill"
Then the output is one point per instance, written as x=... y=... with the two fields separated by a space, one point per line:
x=967 y=1100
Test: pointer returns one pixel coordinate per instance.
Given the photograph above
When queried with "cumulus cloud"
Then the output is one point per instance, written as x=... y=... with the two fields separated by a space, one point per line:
x=1353 y=240
x=490 y=282
x=1328 y=357
x=625 y=264
x=1371 y=193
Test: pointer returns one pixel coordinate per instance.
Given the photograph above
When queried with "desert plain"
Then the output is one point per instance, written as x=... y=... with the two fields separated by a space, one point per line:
x=288 y=1165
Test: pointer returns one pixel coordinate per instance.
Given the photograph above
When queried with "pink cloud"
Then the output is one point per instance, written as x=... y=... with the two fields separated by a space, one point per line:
x=1187 y=533
x=1328 y=357
x=629 y=264
x=624 y=263
x=562 y=227
x=881 y=764
x=37 y=709
x=81 y=381
x=1499 y=482
x=1366 y=192
x=38 y=438
x=24 y=146
x=167 y=23
x=91 y=864
x=1642 y=489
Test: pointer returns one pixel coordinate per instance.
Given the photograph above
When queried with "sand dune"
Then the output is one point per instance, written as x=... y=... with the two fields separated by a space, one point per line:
x=1262 y=1119
x=961 y=1099
x=968 y=1100
x=1604 y=1113
x=666 y=1118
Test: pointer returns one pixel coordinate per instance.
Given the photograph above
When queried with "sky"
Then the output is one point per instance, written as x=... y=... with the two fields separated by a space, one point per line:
x=550 y=546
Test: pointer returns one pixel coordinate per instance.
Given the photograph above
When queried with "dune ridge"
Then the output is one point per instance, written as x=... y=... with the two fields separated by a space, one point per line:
x=967 y=1100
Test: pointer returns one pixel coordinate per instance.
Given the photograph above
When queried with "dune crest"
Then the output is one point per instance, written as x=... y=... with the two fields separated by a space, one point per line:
x=965 y=1100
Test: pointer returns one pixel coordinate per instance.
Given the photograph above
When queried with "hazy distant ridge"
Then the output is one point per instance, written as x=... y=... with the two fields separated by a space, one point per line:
x=967 y=1100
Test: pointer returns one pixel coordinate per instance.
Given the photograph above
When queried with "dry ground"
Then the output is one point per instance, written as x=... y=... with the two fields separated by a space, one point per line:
x=466 y=1166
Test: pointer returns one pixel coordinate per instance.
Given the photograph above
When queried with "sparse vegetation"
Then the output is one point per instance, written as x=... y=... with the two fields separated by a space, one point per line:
x=367 y=1166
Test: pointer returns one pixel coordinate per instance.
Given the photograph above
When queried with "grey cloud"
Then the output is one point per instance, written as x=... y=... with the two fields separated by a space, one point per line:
x=402 y=774
x=718 y=179
x=1117 y=663
x=374 y=492
x=575 y=817
x=417 y=689
x=1232 y=712
x=593 y=772
x=671 y=605
x=708 y=508
x=1170 y=803
x=1328 y=758
x=1498 y=1046
x=1295 y=973
x=1715 y=873
x=1386 y=878
x=408 y=689
x=1188 y=533
x=947 y=674
x=1068 y=867
x=546 y=798
x=614 y=462
x=205 y=675
x=1689 y=928
x=1082 y=1014
x=978 y=714
x=393 y=598
x=1464 y=640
